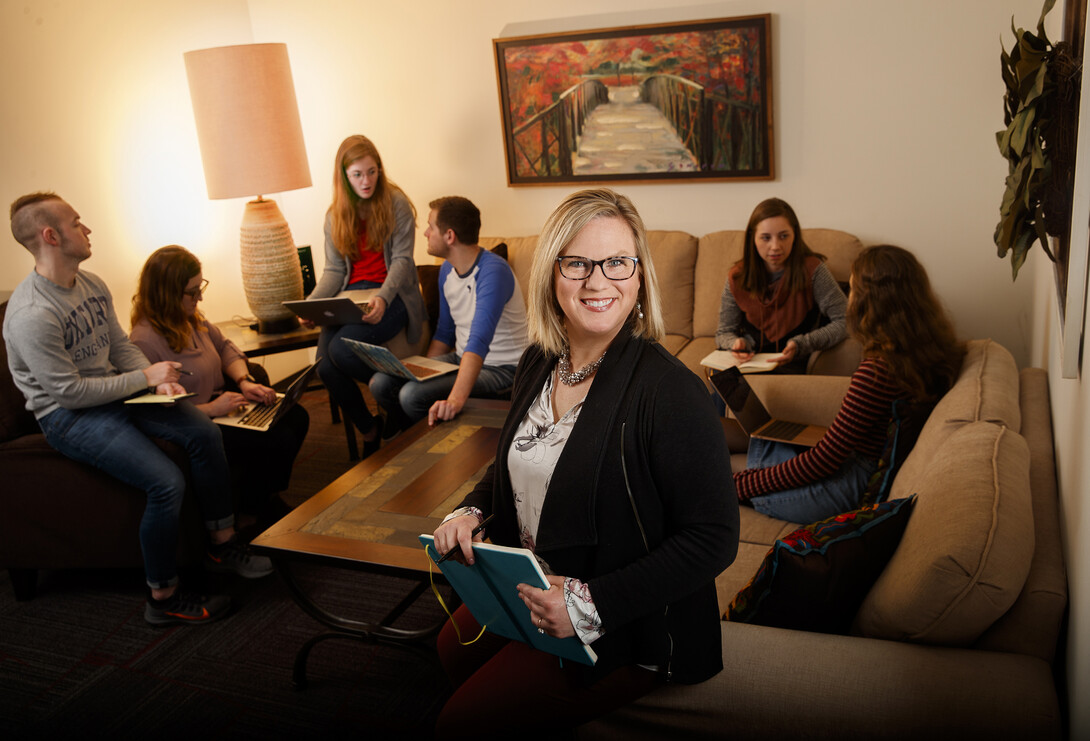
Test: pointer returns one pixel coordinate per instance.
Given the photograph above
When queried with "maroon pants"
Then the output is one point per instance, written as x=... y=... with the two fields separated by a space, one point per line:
x=504 y=687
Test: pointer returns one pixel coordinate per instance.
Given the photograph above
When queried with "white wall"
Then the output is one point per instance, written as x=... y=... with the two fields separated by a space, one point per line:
x=885 y=113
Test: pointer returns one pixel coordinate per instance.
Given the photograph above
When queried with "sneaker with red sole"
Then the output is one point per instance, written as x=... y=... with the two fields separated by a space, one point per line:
x=237 y=558
x=186 y=608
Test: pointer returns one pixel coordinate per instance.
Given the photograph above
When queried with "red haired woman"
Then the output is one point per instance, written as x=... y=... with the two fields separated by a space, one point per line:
x=369 y=237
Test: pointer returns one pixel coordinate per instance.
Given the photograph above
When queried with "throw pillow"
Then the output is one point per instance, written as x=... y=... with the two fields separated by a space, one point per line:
x=815 y=578
x=904 y=429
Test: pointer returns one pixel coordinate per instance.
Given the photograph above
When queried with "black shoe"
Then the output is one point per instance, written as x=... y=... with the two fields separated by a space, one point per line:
x=391 y=428
x=186 y=608
x=372 y=446
x=236 y=558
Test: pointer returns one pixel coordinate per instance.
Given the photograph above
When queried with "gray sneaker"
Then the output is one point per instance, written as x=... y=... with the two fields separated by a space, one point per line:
x=236 y=558
x=186 y=608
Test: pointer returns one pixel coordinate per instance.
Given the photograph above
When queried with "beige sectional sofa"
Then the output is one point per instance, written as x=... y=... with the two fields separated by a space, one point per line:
x=692 y=272
x=957 y=638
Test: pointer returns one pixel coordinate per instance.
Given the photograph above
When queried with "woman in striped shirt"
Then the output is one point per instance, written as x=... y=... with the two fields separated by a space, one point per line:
x=910 y=353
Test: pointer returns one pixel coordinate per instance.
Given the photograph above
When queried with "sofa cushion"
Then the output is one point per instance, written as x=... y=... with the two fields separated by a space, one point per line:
x=717 y=252
x=967 y=549
x=816 y=577
x=986 y=389
x=674 y=256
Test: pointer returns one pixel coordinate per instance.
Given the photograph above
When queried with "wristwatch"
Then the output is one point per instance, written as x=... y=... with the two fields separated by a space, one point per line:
x=246 y=377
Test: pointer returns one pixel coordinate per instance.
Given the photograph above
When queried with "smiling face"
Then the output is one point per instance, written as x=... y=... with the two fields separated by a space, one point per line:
x=774 y=239
x=363 y=175
x=596 y=308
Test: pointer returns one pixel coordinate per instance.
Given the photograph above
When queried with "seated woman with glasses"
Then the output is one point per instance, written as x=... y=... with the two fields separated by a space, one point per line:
x=612 y=469
x=168 y=325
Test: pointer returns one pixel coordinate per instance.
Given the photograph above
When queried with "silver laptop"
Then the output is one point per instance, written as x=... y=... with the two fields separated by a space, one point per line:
x=412 y=368
x=261 y=417
x=345 y=308
x=753 y=416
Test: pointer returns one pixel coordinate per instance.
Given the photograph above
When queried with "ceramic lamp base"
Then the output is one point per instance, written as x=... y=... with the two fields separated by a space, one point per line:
x=270 y=266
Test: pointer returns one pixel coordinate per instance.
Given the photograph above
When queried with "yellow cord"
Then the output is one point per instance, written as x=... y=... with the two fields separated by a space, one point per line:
x=435 y=590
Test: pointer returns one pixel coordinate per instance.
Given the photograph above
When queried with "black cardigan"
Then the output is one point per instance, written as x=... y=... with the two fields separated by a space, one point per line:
x=647 y=441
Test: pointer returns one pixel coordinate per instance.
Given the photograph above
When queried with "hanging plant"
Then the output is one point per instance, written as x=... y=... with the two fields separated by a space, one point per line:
x=1038 y=143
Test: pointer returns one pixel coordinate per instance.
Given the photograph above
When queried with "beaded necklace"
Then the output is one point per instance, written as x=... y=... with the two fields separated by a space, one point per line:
x=567 y=377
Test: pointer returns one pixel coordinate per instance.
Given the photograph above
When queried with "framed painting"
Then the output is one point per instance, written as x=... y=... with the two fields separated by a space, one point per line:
x=683 y=101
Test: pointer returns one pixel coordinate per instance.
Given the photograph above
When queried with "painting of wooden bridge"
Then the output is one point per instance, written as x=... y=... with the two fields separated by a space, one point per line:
x=680 y=101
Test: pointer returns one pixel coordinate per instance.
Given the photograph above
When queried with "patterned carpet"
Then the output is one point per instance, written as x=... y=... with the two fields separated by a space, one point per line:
x=79 y=660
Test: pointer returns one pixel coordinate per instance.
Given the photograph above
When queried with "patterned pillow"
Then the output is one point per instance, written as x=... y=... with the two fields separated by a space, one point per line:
x=904 y=429
x=815 y=578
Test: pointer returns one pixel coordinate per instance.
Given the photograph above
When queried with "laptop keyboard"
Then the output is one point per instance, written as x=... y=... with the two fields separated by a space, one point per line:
x=420 y=371
x=783 y=430
x=259 y=415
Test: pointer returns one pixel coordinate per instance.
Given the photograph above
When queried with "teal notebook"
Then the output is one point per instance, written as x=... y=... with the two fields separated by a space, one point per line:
x=488 y=589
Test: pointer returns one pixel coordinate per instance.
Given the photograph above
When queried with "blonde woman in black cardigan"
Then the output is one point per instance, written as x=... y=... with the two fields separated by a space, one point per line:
x=612 y=468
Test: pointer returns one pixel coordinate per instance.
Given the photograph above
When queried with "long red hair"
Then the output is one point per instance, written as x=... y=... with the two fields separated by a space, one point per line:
x=351 y=213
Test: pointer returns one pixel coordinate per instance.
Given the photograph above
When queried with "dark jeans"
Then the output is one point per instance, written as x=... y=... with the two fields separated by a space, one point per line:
x=340 y=368
x=261 y=462
x=116 y=438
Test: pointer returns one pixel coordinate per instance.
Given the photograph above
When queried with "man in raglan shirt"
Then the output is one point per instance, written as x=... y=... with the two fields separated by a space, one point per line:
x=481 y=327
x=75 y=366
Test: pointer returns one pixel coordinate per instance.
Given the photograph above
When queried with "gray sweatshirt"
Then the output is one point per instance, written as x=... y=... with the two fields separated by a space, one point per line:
x=66 y=348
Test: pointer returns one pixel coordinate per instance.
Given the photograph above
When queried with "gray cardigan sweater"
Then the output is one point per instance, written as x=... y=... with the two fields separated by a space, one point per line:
x=401 y=278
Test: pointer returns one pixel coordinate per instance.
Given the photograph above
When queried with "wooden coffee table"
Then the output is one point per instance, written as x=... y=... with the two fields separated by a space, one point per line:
x=369 y=518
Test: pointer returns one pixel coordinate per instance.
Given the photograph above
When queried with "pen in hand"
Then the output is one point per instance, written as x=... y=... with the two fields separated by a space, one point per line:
x=476 y=531
x=184 y=372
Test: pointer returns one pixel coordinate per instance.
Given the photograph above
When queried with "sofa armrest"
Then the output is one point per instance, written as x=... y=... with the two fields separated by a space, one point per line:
x=780 y=684
x=813 y=400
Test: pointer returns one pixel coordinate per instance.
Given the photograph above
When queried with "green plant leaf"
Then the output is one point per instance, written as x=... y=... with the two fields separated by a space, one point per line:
x=1041 y=21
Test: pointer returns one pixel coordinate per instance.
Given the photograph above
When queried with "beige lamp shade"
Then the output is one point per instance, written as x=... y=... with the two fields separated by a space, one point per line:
x=252 y=143
x=247 y=120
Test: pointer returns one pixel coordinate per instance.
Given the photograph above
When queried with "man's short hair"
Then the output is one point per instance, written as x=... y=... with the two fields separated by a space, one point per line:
x=28 y=217
x=459 y=214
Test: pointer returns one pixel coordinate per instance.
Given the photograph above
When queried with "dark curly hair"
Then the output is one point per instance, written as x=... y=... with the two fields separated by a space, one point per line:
x=896 y=316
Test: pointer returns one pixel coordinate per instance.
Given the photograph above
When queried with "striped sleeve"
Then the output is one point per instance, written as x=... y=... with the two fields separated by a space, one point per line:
x=860 y=427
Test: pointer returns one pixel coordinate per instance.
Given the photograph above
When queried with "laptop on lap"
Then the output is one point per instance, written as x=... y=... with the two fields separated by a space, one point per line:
x=261 y=417
x=345 y=308
x=753 y=416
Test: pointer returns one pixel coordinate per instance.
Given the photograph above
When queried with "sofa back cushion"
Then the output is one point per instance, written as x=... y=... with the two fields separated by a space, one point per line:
x=966 y=550
x=986 y=390
x=674 y=255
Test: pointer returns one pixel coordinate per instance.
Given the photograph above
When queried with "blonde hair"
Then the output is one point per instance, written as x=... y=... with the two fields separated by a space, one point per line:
x=544 y=320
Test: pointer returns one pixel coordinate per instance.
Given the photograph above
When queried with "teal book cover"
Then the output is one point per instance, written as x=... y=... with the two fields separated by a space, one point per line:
x=489 y=589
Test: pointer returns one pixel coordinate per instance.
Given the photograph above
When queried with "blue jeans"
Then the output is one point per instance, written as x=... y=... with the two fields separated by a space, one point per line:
x=116 y=438
x=341 y=368
x=407 y=402
x=815 y=501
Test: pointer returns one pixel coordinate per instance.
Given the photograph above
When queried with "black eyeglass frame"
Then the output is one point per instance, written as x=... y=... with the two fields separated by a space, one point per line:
x=198 y=291
x=597 y=264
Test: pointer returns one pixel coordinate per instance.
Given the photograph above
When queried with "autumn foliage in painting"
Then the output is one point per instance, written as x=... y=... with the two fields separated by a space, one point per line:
x=725 y=62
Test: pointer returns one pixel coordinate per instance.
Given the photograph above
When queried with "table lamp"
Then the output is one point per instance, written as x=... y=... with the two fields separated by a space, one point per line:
x=252 y=143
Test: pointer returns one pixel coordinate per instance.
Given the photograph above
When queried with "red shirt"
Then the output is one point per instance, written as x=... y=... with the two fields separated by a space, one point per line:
x=370 y=266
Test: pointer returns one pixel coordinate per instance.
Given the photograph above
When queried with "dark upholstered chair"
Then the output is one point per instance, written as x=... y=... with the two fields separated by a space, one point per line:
x=56 y=513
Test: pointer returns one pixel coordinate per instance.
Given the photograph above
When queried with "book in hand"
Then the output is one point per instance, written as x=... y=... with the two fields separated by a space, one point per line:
x=412 y=368
x=489 y=589
x=153 y=398
x=723 y=359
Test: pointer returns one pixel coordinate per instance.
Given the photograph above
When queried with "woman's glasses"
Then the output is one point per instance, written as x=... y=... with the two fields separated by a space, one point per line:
x=198 y=292
x=573 y=267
